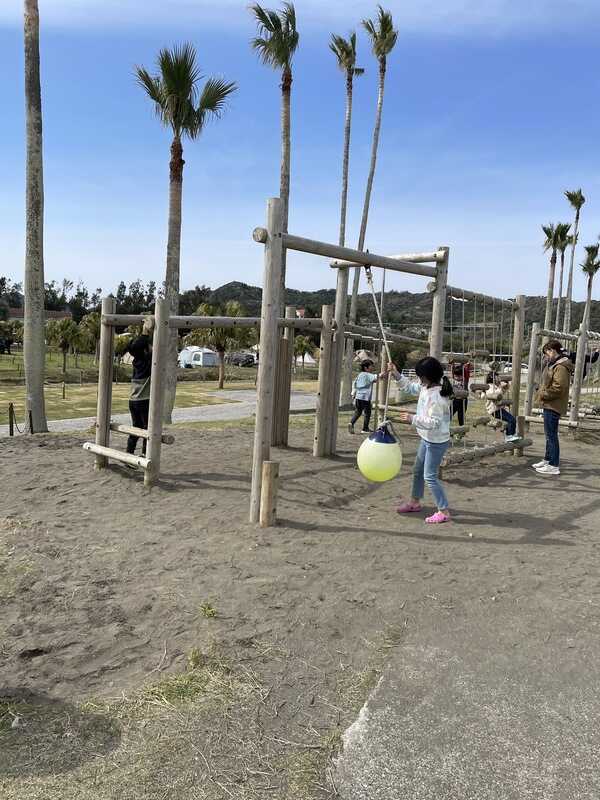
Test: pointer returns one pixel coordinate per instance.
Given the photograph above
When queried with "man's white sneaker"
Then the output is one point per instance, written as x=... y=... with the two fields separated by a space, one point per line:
x=542 y=463
x=548 y=470
x=514 y=438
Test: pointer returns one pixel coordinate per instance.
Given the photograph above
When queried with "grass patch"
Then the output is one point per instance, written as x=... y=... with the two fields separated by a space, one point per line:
x=208 y=611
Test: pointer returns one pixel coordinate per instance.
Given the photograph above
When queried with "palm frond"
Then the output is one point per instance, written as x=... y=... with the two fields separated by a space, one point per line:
x=382 y=33
x=575 y=198
x=278 y=37
x=591 y=265
x=345 y=52
x=175 y=91
x=214 y=98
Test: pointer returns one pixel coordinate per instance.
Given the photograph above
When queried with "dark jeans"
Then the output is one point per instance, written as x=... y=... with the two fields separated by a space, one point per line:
x=551 y=419
x=362 y=407
x=511 y=422
x=460 y=407
x=139 y=410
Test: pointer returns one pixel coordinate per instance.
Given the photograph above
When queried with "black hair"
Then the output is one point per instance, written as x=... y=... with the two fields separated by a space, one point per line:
x=433 y=372
x=365 y=364
x=458 y=370
x=491 y=377
x=553 y=344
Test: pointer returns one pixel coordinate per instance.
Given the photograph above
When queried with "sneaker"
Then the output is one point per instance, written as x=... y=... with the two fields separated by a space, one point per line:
x=514 y=438
x=366 y=433
x=350 y=428
x=548 y=470
x=438 y=518
x=542 y=463
x=409 y=507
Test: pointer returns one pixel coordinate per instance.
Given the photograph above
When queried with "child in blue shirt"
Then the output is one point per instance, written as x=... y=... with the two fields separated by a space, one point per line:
x=362 y=390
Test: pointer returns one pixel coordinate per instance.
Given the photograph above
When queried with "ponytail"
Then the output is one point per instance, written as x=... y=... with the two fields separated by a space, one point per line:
x=447 y=389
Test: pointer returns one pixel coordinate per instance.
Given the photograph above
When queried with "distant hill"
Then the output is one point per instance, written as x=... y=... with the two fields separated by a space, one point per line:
x=404 y=310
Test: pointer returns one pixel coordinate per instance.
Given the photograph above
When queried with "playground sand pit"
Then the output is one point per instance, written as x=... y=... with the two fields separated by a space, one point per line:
x=157 y=645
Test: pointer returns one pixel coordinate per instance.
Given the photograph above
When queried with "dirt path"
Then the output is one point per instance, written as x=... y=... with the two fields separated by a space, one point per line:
x=107 y=589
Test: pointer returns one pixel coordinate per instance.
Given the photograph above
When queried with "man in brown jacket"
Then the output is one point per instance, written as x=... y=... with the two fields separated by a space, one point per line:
x=553 y=396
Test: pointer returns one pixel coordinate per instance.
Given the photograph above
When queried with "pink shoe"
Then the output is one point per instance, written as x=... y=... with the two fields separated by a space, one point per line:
x=409 y=507
x=438 y=518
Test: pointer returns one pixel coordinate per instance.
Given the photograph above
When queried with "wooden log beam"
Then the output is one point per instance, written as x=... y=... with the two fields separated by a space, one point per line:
x=117 y=455
x=193 y=322
x=564 y=423
x=105 y=376
x=160 y=355
x=323 y=417
x=438 y=307
x=413 y=258
x=129 y=430
x=571 y=337
x=477 y=421
x=459 y=294
x=354 y=257
x=479 y=387
x=477 y=453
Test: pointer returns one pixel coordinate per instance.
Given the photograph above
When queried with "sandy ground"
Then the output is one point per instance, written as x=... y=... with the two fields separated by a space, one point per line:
x=106 y=587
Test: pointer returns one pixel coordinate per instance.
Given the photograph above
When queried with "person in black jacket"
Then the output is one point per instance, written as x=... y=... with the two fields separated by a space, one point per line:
x=590 y=358
x=139 y=399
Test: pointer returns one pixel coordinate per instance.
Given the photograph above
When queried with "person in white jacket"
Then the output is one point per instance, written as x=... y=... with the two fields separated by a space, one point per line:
x=432 y=422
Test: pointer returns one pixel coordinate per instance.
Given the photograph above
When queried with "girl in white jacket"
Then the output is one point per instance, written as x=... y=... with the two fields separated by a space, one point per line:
x=432 y=422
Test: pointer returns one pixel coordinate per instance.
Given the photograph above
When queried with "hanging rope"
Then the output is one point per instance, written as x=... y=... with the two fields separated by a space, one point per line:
x=383 y=338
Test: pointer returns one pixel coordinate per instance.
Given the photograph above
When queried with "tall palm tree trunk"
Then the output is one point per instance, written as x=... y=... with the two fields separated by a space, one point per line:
x=550 y=294
x=560 y=289
x=172 y=272
x=34 y=345
x=347 y=381
x=346 y=158
x=569 y=296
x=284 y=181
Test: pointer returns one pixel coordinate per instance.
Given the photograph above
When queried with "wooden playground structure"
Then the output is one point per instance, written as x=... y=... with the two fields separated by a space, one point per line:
x=276 y=355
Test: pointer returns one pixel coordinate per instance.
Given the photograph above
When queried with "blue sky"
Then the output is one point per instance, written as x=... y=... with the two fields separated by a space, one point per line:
x=491 y=111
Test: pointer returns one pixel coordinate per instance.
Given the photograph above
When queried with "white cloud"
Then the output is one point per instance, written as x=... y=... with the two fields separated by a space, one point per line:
x=488 y=17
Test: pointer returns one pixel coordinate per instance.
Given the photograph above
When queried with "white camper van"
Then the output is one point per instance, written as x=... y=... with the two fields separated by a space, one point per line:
x=197 y=357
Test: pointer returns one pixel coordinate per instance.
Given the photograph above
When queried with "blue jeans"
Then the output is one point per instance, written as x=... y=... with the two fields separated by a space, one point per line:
x=426 y=469
x=511 y=422
x=551 y=419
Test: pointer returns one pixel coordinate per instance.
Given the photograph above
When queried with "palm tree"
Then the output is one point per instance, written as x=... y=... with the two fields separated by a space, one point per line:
x=345 y=52
x=302 y=346
x=90 y=328
x=576 y=199
x=590 y=266
x=551 y=243
x=276 y=44
x=34 y=347
x=221 y=340
x=180 y=106
x=564 y=240
x=383 y=39
x=64 y=334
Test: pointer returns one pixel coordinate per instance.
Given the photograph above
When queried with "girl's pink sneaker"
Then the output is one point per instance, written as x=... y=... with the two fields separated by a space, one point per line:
x=438 y=518
x=409 y=508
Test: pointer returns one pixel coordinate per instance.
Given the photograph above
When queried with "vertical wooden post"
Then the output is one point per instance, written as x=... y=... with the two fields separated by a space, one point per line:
x=105 y=376
x=268 y=494
x=289 y=334
x=339 y=390
x=11 y=419
x=325 y=396
x=160 y=354
x=517 y=352
x=579 y=368
x=268 y=351
x=531 y=368
x=283 y=383
x=438 y=312
x=521 y=433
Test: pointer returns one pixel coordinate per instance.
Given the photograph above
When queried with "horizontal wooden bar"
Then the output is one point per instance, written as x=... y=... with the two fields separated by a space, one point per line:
x=565 y=423
x=192 y=322
x=465 y=357
x=354 y=257
x=571 y=337
x=467 y=294
x=409 y=258
x=391 y=337
x=117 y=455
x=129 y=430
x=462 y=455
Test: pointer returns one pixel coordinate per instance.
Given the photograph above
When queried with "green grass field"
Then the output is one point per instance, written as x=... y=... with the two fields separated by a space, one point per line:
x=80 y=401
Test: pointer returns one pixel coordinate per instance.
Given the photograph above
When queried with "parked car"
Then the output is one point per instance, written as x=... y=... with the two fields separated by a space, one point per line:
x=240 y=359
x=194 y=356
